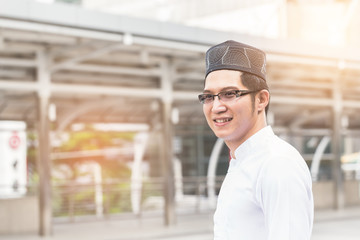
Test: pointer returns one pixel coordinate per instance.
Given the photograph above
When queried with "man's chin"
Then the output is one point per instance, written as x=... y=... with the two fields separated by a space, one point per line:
x=222 y=135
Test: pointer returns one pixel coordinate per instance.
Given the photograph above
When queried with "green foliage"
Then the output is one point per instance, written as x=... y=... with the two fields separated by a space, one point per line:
x=92 y=140
x=31 y=149
x=31 y=158
x=72 y=198
x=115 y=170
x=117 y=197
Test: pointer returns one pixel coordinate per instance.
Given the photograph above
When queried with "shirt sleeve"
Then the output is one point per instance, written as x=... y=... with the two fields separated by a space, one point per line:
x=285 y=195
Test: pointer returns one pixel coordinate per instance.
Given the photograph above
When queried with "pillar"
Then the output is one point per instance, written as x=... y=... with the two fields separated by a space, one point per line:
x=167 y=154
x=44 y=164
x=336 y=144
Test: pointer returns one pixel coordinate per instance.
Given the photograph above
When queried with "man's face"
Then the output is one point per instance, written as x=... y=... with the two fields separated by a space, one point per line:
x=233 y=121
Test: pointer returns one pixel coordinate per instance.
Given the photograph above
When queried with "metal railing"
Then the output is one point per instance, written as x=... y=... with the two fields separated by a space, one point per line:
x=74 y=200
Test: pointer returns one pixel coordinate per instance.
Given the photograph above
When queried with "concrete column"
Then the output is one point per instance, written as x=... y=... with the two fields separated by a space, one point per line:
x=167 y=145
x=211 y=174
x=200 y=150
x=319 y=152
x=44 y=164
x=336 y=144
x=140 y=142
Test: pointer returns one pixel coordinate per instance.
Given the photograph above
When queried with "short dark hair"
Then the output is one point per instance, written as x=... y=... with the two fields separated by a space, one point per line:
x=253 y=83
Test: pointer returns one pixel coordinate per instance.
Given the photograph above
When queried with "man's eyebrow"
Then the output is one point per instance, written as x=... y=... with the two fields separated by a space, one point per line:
x=206 y=91
x=223 y=89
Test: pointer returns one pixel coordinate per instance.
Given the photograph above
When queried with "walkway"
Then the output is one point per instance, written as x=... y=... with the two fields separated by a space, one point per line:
x=328 y=225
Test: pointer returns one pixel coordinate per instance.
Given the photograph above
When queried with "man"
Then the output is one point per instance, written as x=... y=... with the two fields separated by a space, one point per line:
x=266 y=194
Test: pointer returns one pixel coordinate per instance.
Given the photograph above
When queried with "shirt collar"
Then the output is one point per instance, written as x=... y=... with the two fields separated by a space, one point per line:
x=254 y=142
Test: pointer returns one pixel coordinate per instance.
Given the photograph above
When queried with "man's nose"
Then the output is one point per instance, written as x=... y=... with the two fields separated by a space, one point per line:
x=218 y=106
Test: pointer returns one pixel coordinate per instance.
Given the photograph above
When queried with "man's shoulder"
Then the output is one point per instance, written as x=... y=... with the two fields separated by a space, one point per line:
x=283 y=155
x=281 y=147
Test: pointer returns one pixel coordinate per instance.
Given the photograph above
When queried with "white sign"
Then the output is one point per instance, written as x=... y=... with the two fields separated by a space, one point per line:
x=13 y=172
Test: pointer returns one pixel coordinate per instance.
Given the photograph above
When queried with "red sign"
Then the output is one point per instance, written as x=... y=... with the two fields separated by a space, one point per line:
x=14 y=141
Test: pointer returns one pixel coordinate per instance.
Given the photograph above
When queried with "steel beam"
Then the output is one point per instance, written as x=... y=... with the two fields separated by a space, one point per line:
x=70 y=89
x=84 y=57
x=13 y=73
x=115 y=70
x=17 y=62
x=38 y=37
x=59 y=88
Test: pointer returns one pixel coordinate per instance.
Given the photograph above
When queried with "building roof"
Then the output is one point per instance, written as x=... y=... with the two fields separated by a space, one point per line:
x=110 y=68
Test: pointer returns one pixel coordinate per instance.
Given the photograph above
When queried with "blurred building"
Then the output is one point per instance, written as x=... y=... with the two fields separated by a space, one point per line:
x=142 y=62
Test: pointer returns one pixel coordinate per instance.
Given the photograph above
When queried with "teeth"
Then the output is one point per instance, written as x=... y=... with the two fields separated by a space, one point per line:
x=222 y=120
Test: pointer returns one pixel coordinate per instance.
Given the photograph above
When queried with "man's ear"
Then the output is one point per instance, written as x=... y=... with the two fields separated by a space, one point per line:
x=263 y=100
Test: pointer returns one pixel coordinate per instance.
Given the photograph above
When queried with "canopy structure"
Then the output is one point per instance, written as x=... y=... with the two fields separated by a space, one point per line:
x=97 y=67
x=80 y=56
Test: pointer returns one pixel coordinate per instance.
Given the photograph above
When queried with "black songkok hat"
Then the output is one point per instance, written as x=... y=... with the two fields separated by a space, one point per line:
x=237 y=56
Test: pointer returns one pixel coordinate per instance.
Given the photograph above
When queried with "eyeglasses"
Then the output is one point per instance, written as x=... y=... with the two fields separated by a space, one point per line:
x=225 y=96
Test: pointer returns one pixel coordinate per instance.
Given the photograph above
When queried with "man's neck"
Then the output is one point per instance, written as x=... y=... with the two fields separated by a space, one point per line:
x=233 y=145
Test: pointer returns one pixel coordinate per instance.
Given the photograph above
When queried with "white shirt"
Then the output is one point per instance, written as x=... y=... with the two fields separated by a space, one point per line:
x=266 y=194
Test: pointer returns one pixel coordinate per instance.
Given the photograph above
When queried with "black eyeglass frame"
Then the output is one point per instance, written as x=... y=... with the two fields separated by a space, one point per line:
x=238 y=93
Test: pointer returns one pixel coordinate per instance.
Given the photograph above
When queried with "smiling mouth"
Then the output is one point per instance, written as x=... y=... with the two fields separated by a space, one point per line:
x=222 y=120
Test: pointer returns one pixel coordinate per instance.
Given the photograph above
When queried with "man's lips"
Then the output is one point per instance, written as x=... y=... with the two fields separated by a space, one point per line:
x=222 y=120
